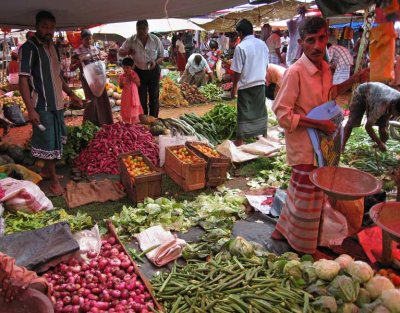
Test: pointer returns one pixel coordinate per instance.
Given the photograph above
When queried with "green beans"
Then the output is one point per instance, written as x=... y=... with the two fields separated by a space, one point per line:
x=222 y=286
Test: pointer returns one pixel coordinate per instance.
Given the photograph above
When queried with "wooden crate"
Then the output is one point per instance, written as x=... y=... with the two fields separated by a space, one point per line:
x=187 y=176
x=112 y=231
x=141 y=186
x=216 y=169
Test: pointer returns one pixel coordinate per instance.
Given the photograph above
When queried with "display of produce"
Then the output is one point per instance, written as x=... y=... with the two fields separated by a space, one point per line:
x=217 y=210
x=107 y=284
x=179 y=126
x=227 y=86
x=208 y=151
x=224 y=119
x=136 y=166
x=192 y=94
x=10 y=101
x=101 y=155
x=186 y=156
x=203 y=128
x=20 y=221
x=78 y=139
x=211 y=91
x=171 y=94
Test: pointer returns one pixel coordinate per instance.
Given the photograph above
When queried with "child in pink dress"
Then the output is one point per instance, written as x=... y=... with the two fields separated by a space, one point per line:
x=130 y=102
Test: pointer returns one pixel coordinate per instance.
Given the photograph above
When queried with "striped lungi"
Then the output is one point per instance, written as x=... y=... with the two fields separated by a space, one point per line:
x=342 y=74
x=301 y=214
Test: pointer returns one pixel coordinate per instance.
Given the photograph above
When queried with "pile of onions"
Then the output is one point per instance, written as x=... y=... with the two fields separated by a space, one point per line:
x=107 y=284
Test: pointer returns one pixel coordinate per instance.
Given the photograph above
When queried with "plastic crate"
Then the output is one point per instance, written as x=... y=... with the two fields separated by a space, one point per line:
x=140 y=187
x=187 y=176
x=216 y=169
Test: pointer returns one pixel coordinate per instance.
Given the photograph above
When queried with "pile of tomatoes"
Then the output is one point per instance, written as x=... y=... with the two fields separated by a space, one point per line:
x=186 y=156
x=136 y=166
x=206 y=150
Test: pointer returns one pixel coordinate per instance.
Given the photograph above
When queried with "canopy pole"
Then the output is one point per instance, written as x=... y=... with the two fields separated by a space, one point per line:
x=369 y=18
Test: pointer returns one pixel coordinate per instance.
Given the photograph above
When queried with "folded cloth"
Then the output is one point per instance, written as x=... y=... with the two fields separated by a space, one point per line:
x=83 y=193
x=371 y=241
x=169 y=246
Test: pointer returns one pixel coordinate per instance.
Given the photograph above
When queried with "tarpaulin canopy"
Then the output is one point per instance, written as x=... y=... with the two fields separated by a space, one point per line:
x=77 y=13
x=331 y=8
x=264 y=13
x=158 y=25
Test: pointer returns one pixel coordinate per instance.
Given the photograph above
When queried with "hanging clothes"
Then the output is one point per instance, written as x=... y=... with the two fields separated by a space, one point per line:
x=382 y=48
x=294 y=51
x=333 y=8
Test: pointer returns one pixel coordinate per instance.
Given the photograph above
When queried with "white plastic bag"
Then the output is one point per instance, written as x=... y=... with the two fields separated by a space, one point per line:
x=229 y=149
x=168 y=141
x=23 y=195
x=333 y=228
x=89 y=240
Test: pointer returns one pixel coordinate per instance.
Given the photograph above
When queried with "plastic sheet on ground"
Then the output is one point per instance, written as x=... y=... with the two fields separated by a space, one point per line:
x=229 y=149
x=34 y=249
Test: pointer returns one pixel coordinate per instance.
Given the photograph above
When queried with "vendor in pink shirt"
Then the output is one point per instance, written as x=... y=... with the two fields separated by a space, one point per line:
x=305 y=85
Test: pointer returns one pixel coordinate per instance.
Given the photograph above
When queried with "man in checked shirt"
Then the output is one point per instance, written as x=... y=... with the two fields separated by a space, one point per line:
x=341 y=61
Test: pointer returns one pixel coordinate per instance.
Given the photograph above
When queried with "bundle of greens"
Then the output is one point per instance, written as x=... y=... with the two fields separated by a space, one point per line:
x=211 y=91
x=20 y=221
x=224 y=119
x=78 y=139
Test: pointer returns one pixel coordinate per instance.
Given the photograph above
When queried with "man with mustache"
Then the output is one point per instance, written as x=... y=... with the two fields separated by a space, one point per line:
x=41 y=85
x=306 y=84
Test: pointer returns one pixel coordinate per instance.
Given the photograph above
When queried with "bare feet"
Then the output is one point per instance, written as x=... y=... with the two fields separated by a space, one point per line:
x=57 y=189
x=276 y=235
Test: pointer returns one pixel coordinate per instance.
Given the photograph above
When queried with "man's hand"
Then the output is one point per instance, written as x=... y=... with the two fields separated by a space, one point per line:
x=363 y=75
x=34 y=117
x=233 y=92
x=381 y=146
x=76 y=99
x=328 y=127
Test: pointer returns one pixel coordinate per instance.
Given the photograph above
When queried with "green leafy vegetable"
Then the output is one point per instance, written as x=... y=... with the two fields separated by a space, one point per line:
x=224 y=118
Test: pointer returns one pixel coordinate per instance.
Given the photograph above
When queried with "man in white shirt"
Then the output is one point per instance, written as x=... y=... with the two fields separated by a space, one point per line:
x=285 y=39
x=147 y=52
x=250 y=61
x=196 y=68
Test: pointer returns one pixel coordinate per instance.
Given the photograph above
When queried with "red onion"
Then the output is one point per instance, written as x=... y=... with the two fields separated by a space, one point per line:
x=91 y=254
x=114 y=251
x=115 y=293
x=112 y=240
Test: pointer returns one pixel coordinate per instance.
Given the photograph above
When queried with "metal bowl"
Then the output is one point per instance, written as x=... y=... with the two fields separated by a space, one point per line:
x=387 y=216
x=344 y=183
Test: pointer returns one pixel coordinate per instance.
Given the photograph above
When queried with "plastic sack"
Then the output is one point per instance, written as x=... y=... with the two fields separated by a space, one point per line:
x=14 y=115
x=95 y=75
x=88 y=240
x=26 y=173
x=25 y=196
x=263 y=146
x=382 y=48
x=353 y=211
x=229 y=149
x=13 y=78
x=333 y=227
x=36 y=249
x=168 y=141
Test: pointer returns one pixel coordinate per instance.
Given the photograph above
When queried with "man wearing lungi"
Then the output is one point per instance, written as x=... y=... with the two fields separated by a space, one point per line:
x=41 y=85
x=306 y=85
x=250 y=61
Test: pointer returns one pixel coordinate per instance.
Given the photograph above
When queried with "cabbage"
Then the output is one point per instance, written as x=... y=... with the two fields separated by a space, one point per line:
x=391 y=299
x=360 y=271
x=326 y=269
x=381 y=309
x=293 y=268
x=325 y=304
x=363 y=297
x=344 y=288
x=319 y=288
x=344 y=260
x=348 y=308
x=241 y=247
x=279 y=265
x=309 y=273
x=290 y=256
x=377 y=285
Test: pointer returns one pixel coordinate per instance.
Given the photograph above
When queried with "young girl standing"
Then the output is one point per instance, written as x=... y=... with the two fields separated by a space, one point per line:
x=130 y=102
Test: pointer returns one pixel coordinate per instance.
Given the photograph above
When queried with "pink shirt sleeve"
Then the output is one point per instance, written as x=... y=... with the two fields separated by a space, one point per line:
x=285 y=101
